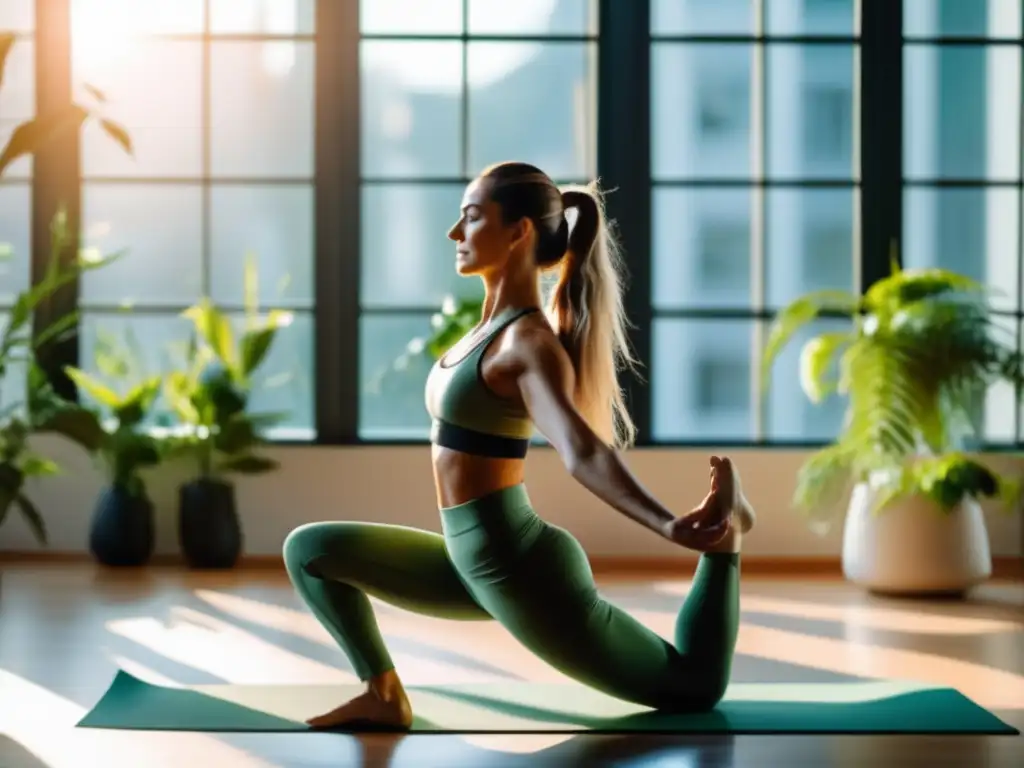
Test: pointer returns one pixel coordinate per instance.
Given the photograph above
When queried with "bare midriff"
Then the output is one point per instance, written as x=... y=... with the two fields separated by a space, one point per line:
x=460 y=477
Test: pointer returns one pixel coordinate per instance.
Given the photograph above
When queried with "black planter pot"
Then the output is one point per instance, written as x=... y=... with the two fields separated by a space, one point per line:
x=122 y=532
x=208 y=527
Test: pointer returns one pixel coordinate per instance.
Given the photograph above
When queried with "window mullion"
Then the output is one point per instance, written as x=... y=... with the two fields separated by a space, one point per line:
x=56 y=186
x=337 y=229
x=624 y=167
x=881 y=137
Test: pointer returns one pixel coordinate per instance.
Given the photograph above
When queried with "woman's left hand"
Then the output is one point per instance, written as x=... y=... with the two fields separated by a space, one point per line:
x=696 y=530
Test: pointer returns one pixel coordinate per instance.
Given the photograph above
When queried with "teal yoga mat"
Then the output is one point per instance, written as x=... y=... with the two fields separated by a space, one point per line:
x=521 y=707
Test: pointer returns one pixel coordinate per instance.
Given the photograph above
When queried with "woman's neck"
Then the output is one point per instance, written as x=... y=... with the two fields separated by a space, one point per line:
x=509 y=292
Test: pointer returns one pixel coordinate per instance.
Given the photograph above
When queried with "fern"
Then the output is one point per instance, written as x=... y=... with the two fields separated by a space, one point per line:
x=915 y=366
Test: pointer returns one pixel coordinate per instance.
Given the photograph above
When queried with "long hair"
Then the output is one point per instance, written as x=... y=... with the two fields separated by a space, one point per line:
x=585 y=306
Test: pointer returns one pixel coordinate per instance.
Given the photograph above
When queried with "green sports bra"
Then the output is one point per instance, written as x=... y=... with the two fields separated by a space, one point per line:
x=469 y=416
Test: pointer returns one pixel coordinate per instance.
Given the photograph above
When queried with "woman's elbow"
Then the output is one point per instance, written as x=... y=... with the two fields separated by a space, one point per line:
x=581 y=454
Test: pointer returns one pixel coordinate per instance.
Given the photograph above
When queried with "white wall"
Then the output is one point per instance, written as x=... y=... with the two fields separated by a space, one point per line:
x=317 y=483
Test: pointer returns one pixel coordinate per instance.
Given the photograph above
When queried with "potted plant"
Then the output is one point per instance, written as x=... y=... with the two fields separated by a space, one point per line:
x=122 y=531
x=210 y=397
x=915 y=365
x=42 y=410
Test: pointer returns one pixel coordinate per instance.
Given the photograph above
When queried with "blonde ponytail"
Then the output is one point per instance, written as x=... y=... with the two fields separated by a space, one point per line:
x=586 y=310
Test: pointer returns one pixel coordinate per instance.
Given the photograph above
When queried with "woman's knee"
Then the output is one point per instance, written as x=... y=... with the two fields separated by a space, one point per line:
x=307 y=542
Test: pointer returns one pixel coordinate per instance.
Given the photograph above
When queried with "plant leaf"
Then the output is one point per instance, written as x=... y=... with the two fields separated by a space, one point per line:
x=118 y=133
x=137 y=403
x=254 y=348
x=798 y=314
x=815 y=359
x=58 y=330
x=6 y=43
x=39 y=466
x=32 y=517
x=79 y=425
x=215 y=329
x=95 y=389
x=30 y=136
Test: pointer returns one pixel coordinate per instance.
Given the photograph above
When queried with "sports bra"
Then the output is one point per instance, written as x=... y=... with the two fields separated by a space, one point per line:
x=467 y=415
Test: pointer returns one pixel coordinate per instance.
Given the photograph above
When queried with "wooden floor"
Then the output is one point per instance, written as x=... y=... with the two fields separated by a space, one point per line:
x=65 y=629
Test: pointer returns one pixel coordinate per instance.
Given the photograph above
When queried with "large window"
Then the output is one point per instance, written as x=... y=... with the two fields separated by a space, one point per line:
x=962 y=158
x=447 y=89
x=754 y=150
x=218 y=99
x=752 y=166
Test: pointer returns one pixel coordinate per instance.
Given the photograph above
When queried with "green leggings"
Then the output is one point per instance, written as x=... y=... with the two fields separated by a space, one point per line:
x=498 y=560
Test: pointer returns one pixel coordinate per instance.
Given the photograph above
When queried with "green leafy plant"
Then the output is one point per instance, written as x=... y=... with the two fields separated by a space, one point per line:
x=41 y=410
x=31 y=135
x=915 y=364
x=125 y=396
x=210 y=394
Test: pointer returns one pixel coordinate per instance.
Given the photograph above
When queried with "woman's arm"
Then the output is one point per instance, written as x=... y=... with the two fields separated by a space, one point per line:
x=546 y=382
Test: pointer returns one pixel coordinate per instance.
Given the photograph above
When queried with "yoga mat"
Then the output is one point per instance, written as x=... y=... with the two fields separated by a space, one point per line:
x=521 y=707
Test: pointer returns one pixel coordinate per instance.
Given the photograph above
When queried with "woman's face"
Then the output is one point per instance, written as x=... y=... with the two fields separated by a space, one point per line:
x=483 y=242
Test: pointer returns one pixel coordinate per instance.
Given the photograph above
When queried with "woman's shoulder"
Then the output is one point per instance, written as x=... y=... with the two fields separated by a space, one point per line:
x=534 y=343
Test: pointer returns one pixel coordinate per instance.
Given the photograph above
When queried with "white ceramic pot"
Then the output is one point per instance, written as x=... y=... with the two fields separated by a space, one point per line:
x=913 y=547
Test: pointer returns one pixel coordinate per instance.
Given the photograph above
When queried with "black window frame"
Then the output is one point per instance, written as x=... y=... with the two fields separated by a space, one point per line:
x=623 y=112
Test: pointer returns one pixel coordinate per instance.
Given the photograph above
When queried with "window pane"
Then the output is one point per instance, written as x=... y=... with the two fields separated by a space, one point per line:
x=1001 y=399
x=407 y=260
x=532 y=17
x=161 y=229
x=274 y=224
x=809 y=242
x=789 y=414
x=258 y=17
x=153 y=89
x=961 y=111
x=391 y=404
x=810 y=111
x=18 y=15
x=701 y=247
x=701 y=379
x=272 y=79
x=810 y=17
x=284 y=383
x=91 y=21
x=18 y=100
x=971 y=231
x=532 y=102
x=15 y=240
x=12 y=385
x=976 y=18
x=700 y=120
x=411 y=113
x=702 y=17
x=410 y=17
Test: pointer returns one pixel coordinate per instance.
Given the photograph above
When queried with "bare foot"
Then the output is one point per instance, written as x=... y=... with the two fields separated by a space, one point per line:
x=727 y=496
x=371 y=710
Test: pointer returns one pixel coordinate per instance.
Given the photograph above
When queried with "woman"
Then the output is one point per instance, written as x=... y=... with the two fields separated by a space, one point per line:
x=520 y=369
